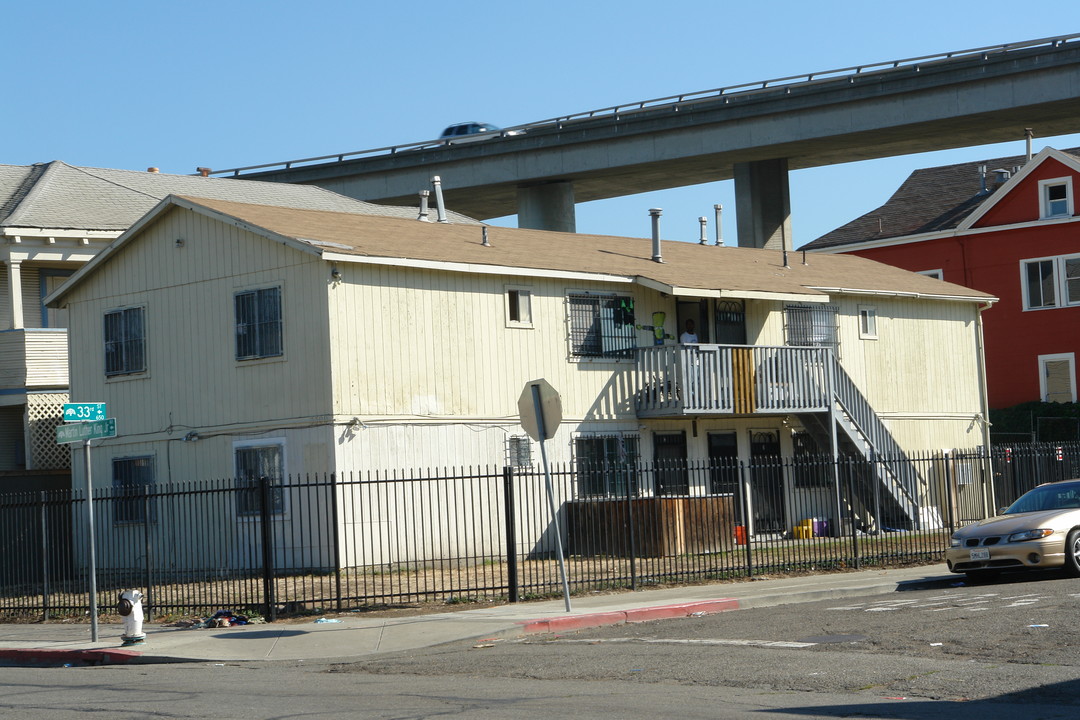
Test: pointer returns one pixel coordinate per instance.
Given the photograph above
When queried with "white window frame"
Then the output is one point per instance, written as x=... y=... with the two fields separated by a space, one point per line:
x=1044 y=197
x=279 y=443
x=1070 y=358
x=868 y=322
x=1059 y=283
x=937 y=274
x=518 y=300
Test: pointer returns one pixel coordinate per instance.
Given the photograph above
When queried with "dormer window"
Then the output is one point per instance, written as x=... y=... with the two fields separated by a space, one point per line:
x=1056 y=198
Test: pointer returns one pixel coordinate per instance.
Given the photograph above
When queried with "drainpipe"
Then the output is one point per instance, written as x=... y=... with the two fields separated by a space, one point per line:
x=654 y=213
x=984 y=405
x=439 y=207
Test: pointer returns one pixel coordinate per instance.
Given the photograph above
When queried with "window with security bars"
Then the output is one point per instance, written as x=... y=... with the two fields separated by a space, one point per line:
x=607 y=465
x=811 y=325
x=258 y=323
x=124 y=342
x=132 y=477
x=602 y=326
x=518 y=451
x=253 y=463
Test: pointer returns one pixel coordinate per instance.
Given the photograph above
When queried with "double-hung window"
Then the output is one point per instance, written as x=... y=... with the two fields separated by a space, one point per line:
x=607 y=465
x=1051 y=282
x=124 y=341
x=257 y=465
x=1056 y=198
x=132 y=478
x=1057 y=378
x=258 y=323
x=601 y=326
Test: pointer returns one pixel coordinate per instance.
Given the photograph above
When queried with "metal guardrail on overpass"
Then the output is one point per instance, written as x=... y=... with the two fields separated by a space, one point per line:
x=675 y=102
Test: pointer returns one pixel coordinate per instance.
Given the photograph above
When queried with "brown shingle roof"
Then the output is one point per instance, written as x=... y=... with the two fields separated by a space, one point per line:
x=686 y=265
x=930 y=200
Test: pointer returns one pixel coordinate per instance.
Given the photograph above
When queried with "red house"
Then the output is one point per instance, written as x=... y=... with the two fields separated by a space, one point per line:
x=1008 y=227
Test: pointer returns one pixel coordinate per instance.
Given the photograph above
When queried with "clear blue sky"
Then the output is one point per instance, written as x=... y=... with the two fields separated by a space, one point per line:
x=230 y=83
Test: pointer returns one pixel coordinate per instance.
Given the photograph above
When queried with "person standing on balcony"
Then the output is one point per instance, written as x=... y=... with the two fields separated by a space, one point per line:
x=689 y=335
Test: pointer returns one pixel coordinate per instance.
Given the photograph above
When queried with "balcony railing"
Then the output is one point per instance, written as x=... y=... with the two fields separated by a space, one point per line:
x=33 y=358
x=704 y=379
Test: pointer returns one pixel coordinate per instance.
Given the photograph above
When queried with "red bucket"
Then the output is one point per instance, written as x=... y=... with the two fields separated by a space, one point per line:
x=740 y=534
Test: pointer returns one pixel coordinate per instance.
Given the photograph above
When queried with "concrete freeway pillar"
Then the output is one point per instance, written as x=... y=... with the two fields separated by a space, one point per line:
x=762 y=204
x=547 y=207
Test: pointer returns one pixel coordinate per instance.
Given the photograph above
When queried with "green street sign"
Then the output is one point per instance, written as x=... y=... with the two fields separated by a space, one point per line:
x=77 y=432
x=81 y=412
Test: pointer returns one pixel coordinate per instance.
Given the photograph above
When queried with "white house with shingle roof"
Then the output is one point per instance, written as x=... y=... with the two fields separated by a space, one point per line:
x=54 y=218
x=230 y=338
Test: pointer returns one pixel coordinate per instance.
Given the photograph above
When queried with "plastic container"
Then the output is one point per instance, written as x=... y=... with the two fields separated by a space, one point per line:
x=740 y=534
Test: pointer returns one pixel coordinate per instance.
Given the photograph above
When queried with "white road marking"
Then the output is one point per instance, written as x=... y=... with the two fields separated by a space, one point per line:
x=695 y=641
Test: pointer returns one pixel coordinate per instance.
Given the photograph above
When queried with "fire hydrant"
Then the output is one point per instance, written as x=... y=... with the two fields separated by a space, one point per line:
x=130 y=608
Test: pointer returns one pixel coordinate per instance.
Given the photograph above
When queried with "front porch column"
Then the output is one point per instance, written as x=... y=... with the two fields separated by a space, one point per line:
x=14 y=287
x=762 y=204
x=547 y=207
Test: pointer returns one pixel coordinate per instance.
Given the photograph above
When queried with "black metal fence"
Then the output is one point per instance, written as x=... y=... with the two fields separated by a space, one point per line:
x=353 y=540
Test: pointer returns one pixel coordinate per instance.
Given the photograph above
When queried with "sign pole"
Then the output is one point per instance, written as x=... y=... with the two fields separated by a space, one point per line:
x=551 y=493
x=90 y=545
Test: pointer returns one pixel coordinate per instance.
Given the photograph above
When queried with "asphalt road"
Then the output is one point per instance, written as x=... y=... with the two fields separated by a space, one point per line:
x=1002 y=650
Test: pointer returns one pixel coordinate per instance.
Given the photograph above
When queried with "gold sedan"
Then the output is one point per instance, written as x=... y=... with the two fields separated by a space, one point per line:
x=1040 y=530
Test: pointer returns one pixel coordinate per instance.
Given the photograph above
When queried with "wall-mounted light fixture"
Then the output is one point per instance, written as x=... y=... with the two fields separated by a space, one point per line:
x=180 y=242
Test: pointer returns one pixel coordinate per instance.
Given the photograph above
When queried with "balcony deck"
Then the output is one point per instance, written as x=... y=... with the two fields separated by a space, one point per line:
x=33 y=358
x=705 y=379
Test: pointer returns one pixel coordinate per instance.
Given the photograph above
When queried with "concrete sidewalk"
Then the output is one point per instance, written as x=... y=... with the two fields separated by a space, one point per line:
x=357 y=636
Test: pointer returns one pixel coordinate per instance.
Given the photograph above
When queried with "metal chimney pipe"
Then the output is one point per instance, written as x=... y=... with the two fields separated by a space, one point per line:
x=424 y=195
x=484 y=237
x=719 y=209
x=439 y=207
x=982 y=175
x=1028 y=135
x=654 y=213
x=703 y=240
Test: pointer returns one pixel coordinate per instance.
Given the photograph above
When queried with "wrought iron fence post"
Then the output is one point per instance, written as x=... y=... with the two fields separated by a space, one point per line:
x=336 y=541
x=43 y=514
x=146 y=549
x=509 y=503
x=270 y=602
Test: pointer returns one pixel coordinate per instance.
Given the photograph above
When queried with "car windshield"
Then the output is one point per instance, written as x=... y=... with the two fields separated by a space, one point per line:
x=1047 y=497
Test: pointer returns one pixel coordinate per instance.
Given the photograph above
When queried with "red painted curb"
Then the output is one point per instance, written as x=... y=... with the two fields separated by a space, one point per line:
x=50 y=656
x=657 y=612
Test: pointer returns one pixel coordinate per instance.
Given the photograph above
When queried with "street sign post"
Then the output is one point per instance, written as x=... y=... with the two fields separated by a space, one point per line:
x=540 y=408
x=87 y=426
x=82 y=412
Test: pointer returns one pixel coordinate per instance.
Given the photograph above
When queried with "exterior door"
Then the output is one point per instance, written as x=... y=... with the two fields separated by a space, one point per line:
x=730 y=322
x=766 y=482
x=669 y=455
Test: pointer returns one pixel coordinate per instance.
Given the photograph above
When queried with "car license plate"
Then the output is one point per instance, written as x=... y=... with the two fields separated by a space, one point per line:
x=980 y=554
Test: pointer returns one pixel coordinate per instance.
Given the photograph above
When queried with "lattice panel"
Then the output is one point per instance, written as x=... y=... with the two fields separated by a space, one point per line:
x=44 y=412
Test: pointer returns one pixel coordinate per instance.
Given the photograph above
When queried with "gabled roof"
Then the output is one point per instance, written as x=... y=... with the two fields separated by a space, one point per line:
x=932 y=200
x=59 y=196
x=688 y=269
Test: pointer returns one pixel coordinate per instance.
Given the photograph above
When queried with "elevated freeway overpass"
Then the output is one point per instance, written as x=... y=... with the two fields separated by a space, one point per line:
x=755 y=133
